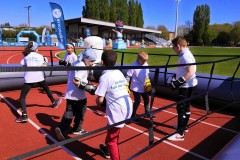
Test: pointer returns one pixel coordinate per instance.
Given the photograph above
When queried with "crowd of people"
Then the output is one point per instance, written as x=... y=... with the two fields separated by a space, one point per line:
x=112 y=92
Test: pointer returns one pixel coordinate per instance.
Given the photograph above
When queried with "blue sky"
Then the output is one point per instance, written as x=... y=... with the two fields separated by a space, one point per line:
x=156 y=12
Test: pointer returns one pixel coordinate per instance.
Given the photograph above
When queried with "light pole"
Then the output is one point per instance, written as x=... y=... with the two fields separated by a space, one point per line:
x=176 y=23
x=28 y=8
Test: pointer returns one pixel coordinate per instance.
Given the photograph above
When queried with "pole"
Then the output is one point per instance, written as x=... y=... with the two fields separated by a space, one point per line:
x=28 y=8
x=176 y=24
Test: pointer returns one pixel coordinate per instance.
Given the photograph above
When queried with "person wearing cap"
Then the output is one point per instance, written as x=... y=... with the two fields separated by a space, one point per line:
x=75 y=95
x=32 y=58
x=70 y=56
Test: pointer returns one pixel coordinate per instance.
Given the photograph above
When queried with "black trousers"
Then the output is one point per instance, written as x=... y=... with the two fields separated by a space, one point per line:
x=137 y=100
x=183 y=109
x=26 y=88
x=76 y=110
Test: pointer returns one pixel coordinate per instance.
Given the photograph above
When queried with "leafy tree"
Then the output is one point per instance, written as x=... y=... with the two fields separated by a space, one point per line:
x=104 y=10
x=132 y=11
x=165 y=32
x=139 y=12
x=201 y=20
x=122 y=11
x=223 y=38
x=235 y=35
x=113 y=10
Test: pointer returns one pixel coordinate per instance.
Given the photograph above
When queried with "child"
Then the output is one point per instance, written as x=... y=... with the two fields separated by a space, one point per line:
x=32 y=58
x=112 y=87
x=70 y=57
x=76 y=95
x=139 y=78
x=185 y=81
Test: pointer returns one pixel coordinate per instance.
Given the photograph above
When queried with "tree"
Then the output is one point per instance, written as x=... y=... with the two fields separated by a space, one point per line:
x=235 y=35
x=132 y=12
x=113 y=10
x=139 y=13
x=223 y=38
x=104 y=10
x=165 y=32
x=122 y=11
x=201 y=20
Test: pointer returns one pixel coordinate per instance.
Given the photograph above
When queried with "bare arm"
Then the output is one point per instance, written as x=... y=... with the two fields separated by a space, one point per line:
x=99 y=100
x=190 y=72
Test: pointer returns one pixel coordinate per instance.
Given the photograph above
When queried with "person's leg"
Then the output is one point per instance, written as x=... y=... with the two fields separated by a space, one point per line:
x=146 y=101
x=67 y=117
x=45 y=87
x=187 y=106
x=24 y=91
x=181 y=110
x=137 y=100
x=112 y=142
x=79 y=111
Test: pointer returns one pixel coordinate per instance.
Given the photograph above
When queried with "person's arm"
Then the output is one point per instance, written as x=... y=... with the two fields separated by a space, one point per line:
x=99 y=100
x=190 y=72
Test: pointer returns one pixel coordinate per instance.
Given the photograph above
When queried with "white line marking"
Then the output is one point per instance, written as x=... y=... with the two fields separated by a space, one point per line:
x=40 y=129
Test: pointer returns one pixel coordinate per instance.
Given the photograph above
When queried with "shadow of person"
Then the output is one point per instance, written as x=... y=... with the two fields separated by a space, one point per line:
x=12 y=103
x=48 y=120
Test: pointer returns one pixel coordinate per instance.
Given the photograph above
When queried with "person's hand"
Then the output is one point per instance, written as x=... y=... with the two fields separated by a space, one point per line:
x=177 y=83
x=64 y=63
x=148 y=86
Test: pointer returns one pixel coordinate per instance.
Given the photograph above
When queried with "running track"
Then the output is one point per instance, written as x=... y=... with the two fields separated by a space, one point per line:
x=203 y=141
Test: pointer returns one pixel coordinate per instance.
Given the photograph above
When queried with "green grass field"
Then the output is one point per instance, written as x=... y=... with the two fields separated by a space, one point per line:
x=157 y=58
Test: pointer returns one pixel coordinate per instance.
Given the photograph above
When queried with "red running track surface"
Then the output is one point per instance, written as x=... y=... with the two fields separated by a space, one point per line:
x=203 y=141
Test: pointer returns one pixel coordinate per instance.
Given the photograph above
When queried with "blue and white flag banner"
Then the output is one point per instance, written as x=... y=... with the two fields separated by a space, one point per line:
x=58 y=19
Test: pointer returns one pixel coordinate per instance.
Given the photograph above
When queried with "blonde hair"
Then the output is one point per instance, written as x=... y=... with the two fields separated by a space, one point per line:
x=179 y=40
x=143 y=55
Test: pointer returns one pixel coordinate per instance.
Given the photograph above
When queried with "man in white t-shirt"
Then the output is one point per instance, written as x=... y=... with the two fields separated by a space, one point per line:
x=186 y=81
x=75 y=95
x=112 y=87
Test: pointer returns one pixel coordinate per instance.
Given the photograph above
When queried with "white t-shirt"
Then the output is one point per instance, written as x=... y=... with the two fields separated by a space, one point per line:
x=33 y=59
x=186 y=57
x=72 y=91
x=138 y=77
x=112 y=86
x=70 y=57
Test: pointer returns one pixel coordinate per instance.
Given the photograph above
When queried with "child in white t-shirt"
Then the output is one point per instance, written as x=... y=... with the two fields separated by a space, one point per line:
x=112 y=87
x=70 y=56
x=76 y=96
x=32 y=58
x=139 y=78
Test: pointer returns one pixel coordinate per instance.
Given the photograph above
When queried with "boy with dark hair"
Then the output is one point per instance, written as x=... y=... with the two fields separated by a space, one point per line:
x=185 y=80
x=112 y=87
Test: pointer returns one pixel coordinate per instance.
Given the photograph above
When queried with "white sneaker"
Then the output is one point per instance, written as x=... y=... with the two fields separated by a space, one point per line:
x=59 y=134
x=175 y=127
x=176 y=137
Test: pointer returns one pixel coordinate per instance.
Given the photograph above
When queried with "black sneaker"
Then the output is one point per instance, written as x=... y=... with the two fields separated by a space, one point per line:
x=56 y=102
x=104 y=151
x=81 y=132
x=22 y=119
x=59 y=134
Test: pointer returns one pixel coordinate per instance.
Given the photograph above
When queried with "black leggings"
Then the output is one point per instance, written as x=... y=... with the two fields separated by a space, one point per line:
x=26 y=88
x=137 y=100
x=183 y=109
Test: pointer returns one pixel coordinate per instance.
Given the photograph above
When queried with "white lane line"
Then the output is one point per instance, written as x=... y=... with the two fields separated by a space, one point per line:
x=210 y=124
x=157 y=138
x=12 y=56
x=40 y=129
